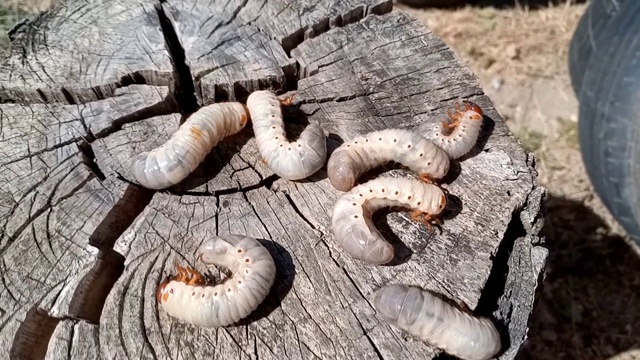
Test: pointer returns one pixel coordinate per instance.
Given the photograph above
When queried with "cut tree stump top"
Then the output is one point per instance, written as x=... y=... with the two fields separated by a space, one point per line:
x=89 y=84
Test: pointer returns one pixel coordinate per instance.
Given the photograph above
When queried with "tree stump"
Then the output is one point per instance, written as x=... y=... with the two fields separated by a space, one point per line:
x=89 y=84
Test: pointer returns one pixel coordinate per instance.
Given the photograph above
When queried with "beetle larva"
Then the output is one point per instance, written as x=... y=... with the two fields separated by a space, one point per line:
x=427 y=317
x=189 y=298
x=457 y=135
x=289 y=160
x=174 y=160
x=351 y=159
x=351 y=222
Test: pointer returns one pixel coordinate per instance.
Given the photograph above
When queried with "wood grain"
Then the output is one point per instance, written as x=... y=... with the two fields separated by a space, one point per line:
x=84 y=248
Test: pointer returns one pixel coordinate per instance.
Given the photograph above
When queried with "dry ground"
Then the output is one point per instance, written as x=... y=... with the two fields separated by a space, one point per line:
x=588 y=307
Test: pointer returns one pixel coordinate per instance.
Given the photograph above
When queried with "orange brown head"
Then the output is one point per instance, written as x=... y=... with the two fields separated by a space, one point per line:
x=469 y=106
x=185 y=275
x=160 y=295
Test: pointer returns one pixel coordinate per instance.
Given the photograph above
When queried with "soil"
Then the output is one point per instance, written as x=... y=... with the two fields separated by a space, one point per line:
x=586 y=308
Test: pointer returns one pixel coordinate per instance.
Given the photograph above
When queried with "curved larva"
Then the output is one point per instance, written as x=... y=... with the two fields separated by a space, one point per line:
x=173 y=161
x=289 y=160
x=351 y=222
x=427 y=317
x=187 y=297
x=459 y=134
x=376 y=148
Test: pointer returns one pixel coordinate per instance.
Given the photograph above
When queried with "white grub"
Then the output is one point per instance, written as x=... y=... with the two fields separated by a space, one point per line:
x=187 y=297
x=429 y=318
x=289 y=160
x=353 y=227
x=174 y=160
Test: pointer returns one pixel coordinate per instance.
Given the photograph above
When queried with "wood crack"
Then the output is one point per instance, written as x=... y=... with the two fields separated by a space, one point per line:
x=183 y=87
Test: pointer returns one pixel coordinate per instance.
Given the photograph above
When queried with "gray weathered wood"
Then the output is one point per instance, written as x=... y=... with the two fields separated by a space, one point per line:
x=83 y=249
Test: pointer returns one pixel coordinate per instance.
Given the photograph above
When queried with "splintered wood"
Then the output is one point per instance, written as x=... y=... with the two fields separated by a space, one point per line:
x=87 y=86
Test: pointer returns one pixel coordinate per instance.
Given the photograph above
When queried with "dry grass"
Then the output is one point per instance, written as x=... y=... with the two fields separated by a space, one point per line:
x=515 y=43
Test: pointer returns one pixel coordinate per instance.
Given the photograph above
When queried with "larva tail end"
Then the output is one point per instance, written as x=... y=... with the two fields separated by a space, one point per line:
x=340 y=172
x=388 y=301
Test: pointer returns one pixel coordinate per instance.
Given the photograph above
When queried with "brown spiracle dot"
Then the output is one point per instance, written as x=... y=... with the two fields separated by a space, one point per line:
x=409 y=146
x=366 y=140
x=348 y=145
x=239 y=282
x=380 y=139
x=273 y=127
x=289 y=149
x=355 y=142
x=239 y=251
x=276 y=137
x=247 y=260
x=215 y=293
x=429 y=163
x=193 y=293
x=170 y=291
x=370 y=190
x=395 y=140
x=382 y=190
x=354 y=204
x=396 y=193
x=355 y=216
x=246 y=271
x=421 y=155
x=229 y=290
x=299 y=145
x=419 y=203
x=464 y=127
x=361 y=195
x=202 y=295
x=409 y=198
x=281 y=145
x=454 y=139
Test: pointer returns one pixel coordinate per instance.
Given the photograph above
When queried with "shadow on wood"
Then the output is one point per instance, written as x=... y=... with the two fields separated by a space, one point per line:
x=285 y=274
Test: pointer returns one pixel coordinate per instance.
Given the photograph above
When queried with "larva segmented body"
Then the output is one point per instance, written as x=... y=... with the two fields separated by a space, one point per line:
x=427 y=317
x=187 y=297
x=459 y=134
x=173 y=161
x=351 y=222
x=289 y=160
x=353 y=158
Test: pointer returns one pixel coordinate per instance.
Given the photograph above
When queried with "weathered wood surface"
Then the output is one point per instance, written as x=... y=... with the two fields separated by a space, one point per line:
x=92 y=83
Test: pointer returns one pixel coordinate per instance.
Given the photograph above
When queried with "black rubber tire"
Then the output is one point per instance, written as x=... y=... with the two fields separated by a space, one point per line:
x=609 y=119
x=588 y=36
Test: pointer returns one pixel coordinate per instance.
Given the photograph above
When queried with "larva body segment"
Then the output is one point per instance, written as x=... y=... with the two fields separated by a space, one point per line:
x=458 y=135
x=376 y=148
x=188 y=298
x=353 y=227
x=289 y=160
x=427 y=317
x=173 y=161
